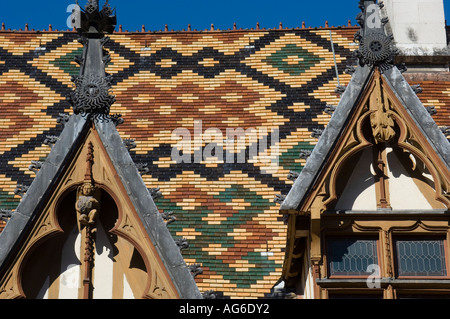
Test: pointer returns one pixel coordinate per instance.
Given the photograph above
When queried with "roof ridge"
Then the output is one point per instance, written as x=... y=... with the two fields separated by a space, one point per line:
x=189 y=29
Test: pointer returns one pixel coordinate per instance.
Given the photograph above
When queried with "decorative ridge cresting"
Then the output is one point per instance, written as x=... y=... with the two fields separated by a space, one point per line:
x=189 y=29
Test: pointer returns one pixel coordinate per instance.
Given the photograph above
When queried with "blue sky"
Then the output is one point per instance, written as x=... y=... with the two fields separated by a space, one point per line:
x=177 y=14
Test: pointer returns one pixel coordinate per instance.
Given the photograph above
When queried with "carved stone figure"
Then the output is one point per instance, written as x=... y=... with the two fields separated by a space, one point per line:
x=87 y=206
x=382 y=126
x=381 y=118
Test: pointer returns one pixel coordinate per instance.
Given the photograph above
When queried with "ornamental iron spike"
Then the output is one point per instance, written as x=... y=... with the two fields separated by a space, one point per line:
x=292 y=175
x=182 y=243
x=329 y=109
x=94 y=20
x=62 y=118
x=316 y=133
x=357 y=37
x=155 y=193
x=304 y=154
x=5 y=214
x=78 y=59
x=35 y=166
x=129 y=143
x=279 y=198
x=360 y=18
x=416 y=88
x=402 y=67
x=21 y=190
x=195 y=270
x=340 y=89
x=375 y=47
x=91 y=6
x=142 y=168
x=50 y=140
x=169 y=217
x=92 y=94
x=431 y=110
x=445 y=130
x=209 y=294
x=361 y=5
x=117 y=119
x=350 y=69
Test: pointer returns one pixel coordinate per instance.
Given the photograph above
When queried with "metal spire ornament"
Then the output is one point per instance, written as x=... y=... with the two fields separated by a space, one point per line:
x=375 y=47
x=93 y=84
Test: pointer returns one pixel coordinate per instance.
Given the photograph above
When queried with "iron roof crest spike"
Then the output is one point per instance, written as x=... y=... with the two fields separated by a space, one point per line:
x=92 y=94
x=94 y=20
x=375 y=47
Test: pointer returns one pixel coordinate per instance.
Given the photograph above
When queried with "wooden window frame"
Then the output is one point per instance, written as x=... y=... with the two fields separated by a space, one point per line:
x=385 y=229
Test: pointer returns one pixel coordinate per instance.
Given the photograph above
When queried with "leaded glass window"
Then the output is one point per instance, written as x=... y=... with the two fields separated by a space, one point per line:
x=420 y=257
x=351 y=256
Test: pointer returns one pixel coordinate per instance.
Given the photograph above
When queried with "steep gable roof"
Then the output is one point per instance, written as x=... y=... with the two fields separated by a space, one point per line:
x=351 y=99
x=327 y=141
x=90 y=139
x=51 y=175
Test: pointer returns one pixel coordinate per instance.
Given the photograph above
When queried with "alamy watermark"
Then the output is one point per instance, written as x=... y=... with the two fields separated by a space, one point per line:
x=70 y=277
x=374 y=279
x=73 y=20
x=235 y=145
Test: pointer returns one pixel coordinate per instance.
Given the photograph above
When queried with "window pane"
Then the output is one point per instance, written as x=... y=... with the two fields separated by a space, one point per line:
x=420 y=257
x=351 y=257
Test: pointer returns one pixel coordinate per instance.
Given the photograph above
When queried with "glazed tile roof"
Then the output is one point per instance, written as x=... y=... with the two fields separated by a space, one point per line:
x=266 y=80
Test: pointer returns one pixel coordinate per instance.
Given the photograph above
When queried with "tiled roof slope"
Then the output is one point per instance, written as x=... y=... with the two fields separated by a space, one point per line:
x=261 y=79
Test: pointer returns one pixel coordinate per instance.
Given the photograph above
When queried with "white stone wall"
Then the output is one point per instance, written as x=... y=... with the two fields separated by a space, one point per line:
x=418 y=25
